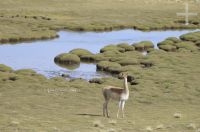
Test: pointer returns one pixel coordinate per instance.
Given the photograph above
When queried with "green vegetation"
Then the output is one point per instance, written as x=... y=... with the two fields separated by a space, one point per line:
x=194 y=37
x=164 y=85
x=174 y=39
x=26 y=20
x=189 y=42
x=164 y=94
x=163 y=97
x=25 y=72
x=108 y=66
x=112 y=48
x=126 y=46
x=167 y=47
x=143 y=45
x=80 y=52
x=5 y=68
x=67 y=58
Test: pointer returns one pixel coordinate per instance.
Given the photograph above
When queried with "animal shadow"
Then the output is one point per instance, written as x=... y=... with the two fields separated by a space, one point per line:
x=87 y=114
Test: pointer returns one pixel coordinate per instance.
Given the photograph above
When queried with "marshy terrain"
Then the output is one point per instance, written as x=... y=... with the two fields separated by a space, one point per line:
x=164 y=93
x=164 y=84
x=29 y=20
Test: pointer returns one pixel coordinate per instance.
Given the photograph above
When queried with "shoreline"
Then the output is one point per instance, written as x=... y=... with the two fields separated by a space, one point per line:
x=55 y=35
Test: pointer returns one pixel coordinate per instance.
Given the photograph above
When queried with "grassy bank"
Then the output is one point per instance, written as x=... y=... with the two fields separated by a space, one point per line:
x=26 y=20
x=163 y=97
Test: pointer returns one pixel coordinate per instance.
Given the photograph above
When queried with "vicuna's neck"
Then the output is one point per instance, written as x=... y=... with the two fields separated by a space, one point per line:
x=126 y=85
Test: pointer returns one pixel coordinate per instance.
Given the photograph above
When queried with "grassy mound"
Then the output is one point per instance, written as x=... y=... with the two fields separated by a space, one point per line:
x=4 y=68
x=173 y=39
x=187 y=45
x=143 y=45
x=80 y=52
x=112 y=48
x=107 y=66
x=167 y=47
x=127 y=61
x=67 y=58
x=188 y=42
x=166 y=42
x=126 y=46
x=194 y=37
x=25 y=72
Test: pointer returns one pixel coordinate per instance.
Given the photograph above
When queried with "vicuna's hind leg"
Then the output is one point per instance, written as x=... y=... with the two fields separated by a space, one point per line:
x=105 y=105
x=105 y=108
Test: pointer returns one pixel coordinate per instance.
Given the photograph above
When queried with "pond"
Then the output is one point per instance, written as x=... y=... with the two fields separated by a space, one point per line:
x=39 y=55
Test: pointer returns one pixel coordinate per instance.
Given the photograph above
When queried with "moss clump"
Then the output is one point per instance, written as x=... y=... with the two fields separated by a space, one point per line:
x=111 y=53
x=166 y=42
x=147 y=63
x=174 y=44
x=112 y=48
x=25 y=72
x=96 y=80
x=194 y=37
x=4 y=68
x=100 y=57
x=167 y=47
x=126 y=46
x=187 y=45
x=174 y=39
x=80 y=52
x=127 y=61
x=108 y=66
x=88 y=58
x=67 y=58
x=169 y=44
x=143 y=45
x=115 y=69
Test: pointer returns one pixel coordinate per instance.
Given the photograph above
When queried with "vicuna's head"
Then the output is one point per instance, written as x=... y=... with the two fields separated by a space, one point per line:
x=123 y=75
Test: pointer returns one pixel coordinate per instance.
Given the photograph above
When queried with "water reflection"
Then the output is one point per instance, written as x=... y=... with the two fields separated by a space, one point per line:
x=68 y=66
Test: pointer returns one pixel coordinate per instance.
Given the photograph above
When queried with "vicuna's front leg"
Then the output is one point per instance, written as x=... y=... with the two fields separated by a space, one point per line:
x=121 y=107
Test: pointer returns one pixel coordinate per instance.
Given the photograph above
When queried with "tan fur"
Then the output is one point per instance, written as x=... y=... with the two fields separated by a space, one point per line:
x=116 y=93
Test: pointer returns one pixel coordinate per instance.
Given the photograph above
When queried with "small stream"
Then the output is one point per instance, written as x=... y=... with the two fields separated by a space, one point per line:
x=39 y=55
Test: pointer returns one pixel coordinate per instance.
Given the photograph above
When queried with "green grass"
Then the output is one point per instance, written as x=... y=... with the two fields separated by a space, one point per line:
x=80 y=52
x=143 y=45
x=26 y=20
x=163 y=97
x=112 y=48
x=67 y=58
x=168 y=87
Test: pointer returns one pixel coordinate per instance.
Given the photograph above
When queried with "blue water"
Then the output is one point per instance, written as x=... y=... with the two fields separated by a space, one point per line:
x=39 y=55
